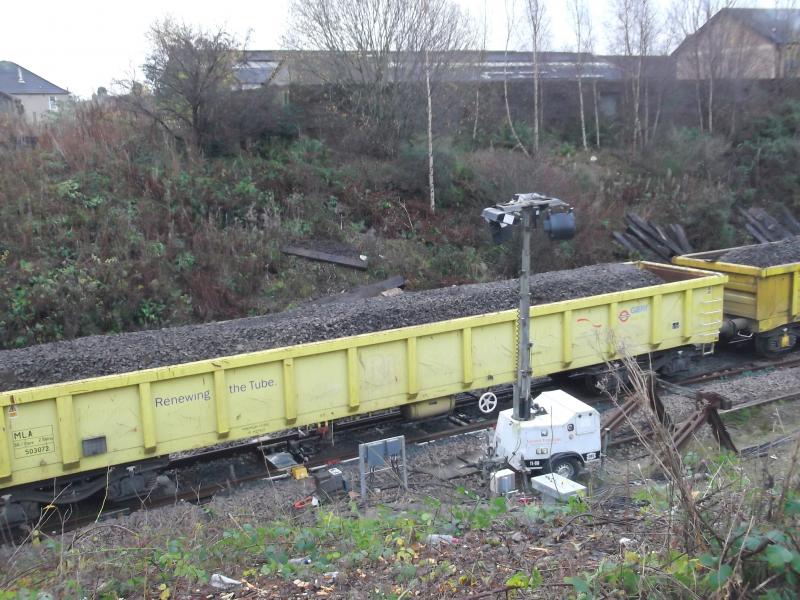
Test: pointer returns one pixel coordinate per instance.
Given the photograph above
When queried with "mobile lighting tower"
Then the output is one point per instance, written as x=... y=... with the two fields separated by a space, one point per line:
x=559 y=223
x=561 y=433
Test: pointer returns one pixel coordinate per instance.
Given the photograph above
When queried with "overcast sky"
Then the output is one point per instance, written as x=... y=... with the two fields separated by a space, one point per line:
x=84 y=44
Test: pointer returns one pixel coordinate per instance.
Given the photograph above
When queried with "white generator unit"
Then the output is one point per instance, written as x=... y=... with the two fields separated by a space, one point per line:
x=503 y=482
x=561 y=436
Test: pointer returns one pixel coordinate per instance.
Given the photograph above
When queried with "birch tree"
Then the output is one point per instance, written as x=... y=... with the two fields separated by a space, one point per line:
x=581 y=28
x=372 y=54
x=481 y=58
x=706 y=51
x=511 y=21
x=538 y=25
x=431 y=185
x=444 y=30
x=596 y=113
x=634 y=31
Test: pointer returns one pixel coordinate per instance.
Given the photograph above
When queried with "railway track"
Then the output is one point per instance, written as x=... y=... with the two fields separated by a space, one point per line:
x=739 y=369
x=785 y=397
x=758 y=450
x=466 y=401
x=345 y=447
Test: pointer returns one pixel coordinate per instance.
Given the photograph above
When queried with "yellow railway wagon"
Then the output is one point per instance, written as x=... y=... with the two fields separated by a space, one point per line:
x=768 y=299
x=78 y=427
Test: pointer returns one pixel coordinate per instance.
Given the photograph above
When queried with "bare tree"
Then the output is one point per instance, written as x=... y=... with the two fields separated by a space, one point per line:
x=685 y=18
x=373 y=53
x=481 y=58
x=582 y=29
x=590 y=50
x=431 y=185
x=538 y=27
x=789 y=58
x=646 y=28
x=189 y=73
x=623 y=32
x=635 y=30
x=510 y=29
x=707 y=51
x=596 y=113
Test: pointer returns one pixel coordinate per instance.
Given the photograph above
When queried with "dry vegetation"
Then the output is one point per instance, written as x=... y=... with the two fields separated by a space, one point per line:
x=704 y=525
x=134 y=213
x=107 y=226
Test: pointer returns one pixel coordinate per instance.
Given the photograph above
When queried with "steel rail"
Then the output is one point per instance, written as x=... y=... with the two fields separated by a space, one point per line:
x=784 y=363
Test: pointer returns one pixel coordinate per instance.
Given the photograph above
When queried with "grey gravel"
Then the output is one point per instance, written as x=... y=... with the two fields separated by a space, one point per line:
x=765 y=255
x=110 y=354
x=757 y=386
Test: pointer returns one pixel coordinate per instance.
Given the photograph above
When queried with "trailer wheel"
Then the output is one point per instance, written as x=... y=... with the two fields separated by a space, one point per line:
x=487 y=403
x=567 y=467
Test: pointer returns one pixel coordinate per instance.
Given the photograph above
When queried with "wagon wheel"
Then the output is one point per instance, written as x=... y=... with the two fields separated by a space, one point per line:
x=487 y=403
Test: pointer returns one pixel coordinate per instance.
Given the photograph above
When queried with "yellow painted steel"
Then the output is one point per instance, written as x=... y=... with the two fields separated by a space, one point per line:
x=418 y=411
x=148 y=417
x=566 y=338
x=353 y=389
x=411 y=366
x=221 y=404
x=768 y=297
x=466 y=355
x=68 y=436
x=5 y=450
x=171 y=409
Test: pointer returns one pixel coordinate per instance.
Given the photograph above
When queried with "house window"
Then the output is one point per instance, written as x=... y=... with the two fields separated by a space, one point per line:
x=52 y=103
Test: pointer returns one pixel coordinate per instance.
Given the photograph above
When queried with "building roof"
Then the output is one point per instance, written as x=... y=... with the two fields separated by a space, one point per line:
x=255 y=73
x=282 y=67
x=499 y=65
x=780 y=25
x=15 y=79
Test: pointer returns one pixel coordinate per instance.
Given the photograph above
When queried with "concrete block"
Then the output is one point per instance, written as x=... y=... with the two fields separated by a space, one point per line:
x=503 y=481
x=556 y=487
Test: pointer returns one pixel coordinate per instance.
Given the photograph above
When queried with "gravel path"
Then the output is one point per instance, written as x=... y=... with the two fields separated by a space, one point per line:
x=765 y=255
x=110 y=354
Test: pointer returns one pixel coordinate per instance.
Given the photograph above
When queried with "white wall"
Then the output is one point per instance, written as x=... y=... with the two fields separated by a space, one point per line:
x=37 y=106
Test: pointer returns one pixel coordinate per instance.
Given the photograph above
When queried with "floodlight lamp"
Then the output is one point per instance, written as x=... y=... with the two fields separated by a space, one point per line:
x=560 y=225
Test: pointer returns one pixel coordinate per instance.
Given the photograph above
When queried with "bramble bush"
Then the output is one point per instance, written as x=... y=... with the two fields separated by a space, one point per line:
x=108 y=228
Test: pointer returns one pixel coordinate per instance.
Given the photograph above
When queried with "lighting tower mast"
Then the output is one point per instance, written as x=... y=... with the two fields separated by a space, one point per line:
x=559 y=223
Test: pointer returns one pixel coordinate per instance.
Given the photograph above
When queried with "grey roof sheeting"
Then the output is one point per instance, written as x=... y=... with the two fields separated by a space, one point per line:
x=15 y=79
x=254 y=72
x=466 y=66
x=499 y=66
x=780 y=25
